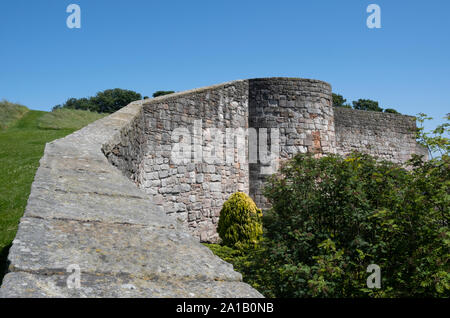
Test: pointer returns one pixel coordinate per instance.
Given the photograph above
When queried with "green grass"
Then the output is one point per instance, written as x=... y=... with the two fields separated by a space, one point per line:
x=68 y=119
x=9 y=113
x=21 y=147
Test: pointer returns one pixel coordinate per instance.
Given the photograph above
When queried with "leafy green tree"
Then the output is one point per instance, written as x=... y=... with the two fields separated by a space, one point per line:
x=436 y=141
x=107 y=101
x=112 y=100
x=367 y=104
x=332 y=217
x=361 y=104
x=161 y=93
x=81 y=103
x=339 y=101
x=391 y=111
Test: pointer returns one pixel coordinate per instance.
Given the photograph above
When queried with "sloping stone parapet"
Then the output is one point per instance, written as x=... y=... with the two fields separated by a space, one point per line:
x=83 y=211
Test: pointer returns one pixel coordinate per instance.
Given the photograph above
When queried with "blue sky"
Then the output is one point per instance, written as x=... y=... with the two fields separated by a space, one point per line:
x=147 y=45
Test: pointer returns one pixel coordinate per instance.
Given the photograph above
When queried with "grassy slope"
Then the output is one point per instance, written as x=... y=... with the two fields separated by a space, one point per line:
x=68 y=119
x=9 y=113
x=21 y=147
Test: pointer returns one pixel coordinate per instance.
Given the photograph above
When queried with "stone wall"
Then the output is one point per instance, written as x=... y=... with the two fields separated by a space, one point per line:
x=116 y=197
x=86 y=216
x=286 y=115
x=299 y=111
x=194 y=189
x=128 y=150
x=386 y=136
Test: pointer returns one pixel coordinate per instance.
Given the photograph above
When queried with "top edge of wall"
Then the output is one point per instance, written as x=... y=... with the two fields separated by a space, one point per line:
x=188 y=92
x=371 y=112
x=295 y=79
x=225 y=84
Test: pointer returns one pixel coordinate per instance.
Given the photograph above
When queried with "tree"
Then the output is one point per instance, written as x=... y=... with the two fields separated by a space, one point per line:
x=361 y=104
x=367 y=104
x=332 y=217
x=437 y=140
x=340 y=101
x=107 y=101
x=82 y=103
x=391 y=111
x=161 y=93
x=112 y=100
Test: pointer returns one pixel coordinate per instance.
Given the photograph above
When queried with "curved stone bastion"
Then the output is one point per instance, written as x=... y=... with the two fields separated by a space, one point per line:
x=122 y=203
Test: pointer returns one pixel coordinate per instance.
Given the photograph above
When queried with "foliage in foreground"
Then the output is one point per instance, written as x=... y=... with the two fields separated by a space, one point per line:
x=247 y=262
x=436 y=141
x=240 y=221
x=10 y=112
x=332 y=217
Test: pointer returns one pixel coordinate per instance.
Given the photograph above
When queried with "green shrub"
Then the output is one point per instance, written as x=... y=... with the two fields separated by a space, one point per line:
x=332 y=217
x=250 y=263
x=240 y=221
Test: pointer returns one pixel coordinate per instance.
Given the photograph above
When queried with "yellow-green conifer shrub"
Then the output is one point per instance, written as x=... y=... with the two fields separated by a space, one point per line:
x=240 y=222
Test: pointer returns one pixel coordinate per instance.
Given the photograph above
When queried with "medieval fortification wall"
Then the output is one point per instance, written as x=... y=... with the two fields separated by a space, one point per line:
x=128 y=197
x=289 y=115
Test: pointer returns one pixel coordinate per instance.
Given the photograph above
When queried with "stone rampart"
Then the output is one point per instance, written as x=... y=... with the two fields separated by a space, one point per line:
x=285 y=115
x=386 y=136
x=127 y=198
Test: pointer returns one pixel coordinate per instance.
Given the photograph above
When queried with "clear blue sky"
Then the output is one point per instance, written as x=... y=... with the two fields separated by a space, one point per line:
x=147 y=45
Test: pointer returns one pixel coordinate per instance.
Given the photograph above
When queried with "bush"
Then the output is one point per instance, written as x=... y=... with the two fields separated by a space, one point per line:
x=332 y=217
x=240 y=221
x=250 y=263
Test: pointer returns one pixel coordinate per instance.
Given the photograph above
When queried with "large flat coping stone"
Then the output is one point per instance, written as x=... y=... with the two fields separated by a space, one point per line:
x=83 y=211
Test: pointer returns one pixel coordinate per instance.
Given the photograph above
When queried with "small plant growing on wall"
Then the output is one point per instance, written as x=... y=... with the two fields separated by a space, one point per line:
x=240 y=222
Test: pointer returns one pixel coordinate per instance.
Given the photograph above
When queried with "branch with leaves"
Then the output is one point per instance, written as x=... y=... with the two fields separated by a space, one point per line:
x=436 y=141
